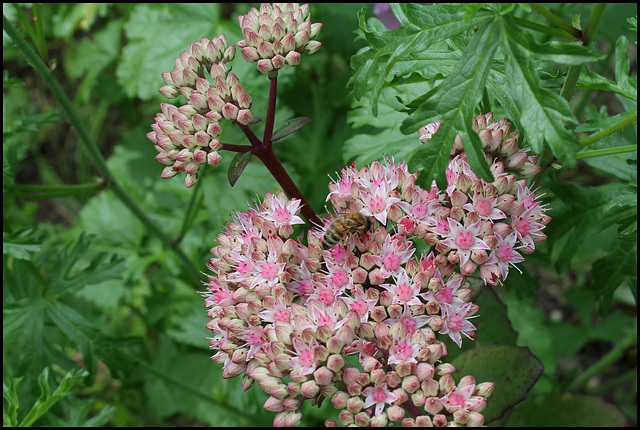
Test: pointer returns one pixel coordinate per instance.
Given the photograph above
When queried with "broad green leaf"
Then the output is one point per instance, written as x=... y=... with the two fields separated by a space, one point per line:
x=492 y=324
x=369 y=145
x=541 y=113
x=289 y=127
x=156 y=34
x=566 y=410
x=363 y=148
x=513 y=370
x=454 y=102
x=237 y=166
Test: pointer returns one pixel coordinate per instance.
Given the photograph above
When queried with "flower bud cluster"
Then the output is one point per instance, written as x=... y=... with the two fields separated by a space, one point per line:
x=498 y=141
x=484 y=226
x=277 y=34
x=187 y=136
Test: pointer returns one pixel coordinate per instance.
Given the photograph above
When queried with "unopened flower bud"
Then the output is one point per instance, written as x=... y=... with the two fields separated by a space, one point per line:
x=433 y=405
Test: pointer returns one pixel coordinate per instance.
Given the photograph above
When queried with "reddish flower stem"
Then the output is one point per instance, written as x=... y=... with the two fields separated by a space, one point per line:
x=264 y=151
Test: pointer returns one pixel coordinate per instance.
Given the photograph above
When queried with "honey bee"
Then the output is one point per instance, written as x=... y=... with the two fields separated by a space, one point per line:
x=343 y=227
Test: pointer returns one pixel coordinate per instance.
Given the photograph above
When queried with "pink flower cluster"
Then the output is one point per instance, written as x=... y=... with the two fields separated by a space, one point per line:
x=186 y=137
x=285 y=312
x=277 y=34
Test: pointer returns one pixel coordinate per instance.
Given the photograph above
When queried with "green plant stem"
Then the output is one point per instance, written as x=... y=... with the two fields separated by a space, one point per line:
x=570 y=83
x=90 y=146
x=596 y=137
x=574 y=71
x=40 y=41
x=609 y=359
x=544 y=29
x=194 y=204
x=594 y=22
x=556 y=20
x=606 y=151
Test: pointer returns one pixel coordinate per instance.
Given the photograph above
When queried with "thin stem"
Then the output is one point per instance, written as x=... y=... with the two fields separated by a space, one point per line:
x=271 y=111
x=91 y=147
x=608 y=360
x=570 y=83
x=235 y=148
x=559 y=22
x=606 y=151
x=574 y=71
x=194 y=204
x=268 y=157
x=40 y=41
x=596 y=137
x=545 y=29
x=594 y=22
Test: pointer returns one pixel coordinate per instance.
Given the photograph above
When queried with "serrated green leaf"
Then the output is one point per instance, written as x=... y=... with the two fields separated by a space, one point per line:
x=454 y=102
x=513 y=370
x=623 y=85
x=619 y=264
x=541 y=113
x=424 y=26
x=237 y=166
x=21 y=243
x=289 y=127
x=78 y=329
x=581 y=218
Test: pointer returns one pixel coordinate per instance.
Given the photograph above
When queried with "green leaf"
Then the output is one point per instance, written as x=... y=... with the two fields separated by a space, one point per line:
x=21 y=243
x=423 y=26
x=289 y=127
x=156 y=34
x=541 y=113
x=625 y=208
x=623 y=85
x=48 y=399
x=577 y=217
x=454 y=102
x=619 y=265
x=237 y=165
x=513 y=370
x=566 y=410
x=102 y=267
x=10 y=395
x=82 y=332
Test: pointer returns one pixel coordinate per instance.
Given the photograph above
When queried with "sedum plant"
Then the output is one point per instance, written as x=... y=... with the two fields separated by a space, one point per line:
x=288 y=307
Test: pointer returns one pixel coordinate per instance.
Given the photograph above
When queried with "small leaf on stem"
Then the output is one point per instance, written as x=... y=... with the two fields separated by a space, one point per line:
x=236 y=167
x=289 y=127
